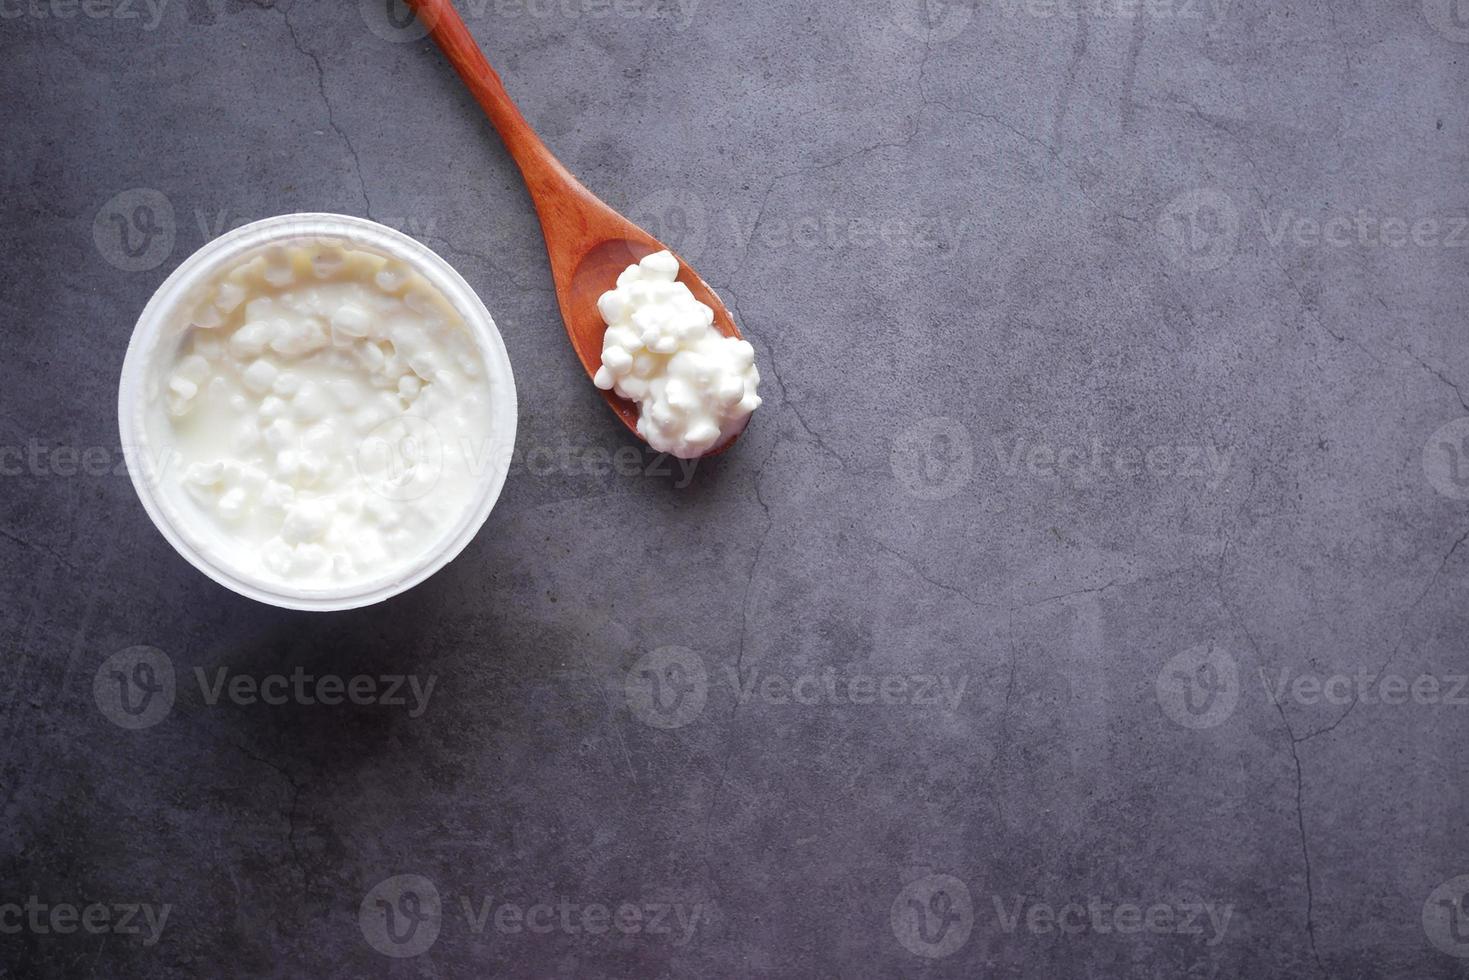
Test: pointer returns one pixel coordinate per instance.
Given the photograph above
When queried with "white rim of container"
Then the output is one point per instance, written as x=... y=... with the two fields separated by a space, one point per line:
x=163 y=311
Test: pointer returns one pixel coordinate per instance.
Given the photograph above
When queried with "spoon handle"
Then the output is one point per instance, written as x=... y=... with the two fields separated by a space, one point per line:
x=540 y=168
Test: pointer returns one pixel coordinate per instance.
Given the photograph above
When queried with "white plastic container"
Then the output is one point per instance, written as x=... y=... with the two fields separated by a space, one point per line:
x=156 y=338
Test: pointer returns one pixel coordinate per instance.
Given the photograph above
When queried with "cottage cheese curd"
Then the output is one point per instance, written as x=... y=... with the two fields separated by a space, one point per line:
x=695 y=387
x=324 y=408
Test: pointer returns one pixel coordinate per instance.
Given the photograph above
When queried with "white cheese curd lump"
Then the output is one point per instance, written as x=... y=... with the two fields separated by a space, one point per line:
x=325 y=409
x=695 y=388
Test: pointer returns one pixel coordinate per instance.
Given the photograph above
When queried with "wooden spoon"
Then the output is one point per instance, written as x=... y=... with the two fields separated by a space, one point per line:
x=588 y=242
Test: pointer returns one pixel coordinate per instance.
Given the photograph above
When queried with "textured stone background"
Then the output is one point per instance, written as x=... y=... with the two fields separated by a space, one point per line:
x=991 y=256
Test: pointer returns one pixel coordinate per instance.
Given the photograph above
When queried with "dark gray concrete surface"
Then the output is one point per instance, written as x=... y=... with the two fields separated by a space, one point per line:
x=1115 y=366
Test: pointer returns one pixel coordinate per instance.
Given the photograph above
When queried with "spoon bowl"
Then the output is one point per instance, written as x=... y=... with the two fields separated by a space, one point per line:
x=596 y=273
x=588 y=243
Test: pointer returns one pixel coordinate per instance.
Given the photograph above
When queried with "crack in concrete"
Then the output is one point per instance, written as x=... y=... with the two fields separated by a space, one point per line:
x=458 y=249
x=49 y=552
x=1295 y=740
x=1002 y=732
x=1315 y=315
x=912 y=565
x=927 y=101
x=1068 y=595
x=1230 y=129
x=1068 y=82
x=331 y=116
x=811 y=172
x=1292 y=741
x=1014 y=130
x=924 y=101
x=1008 y=607
x=785 y=402
x=612 y=713
x=1440 y=375
x=1405 y=620
x=290 y=813
x=1129 y=71
x=1305 y=849
x=744 y=630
